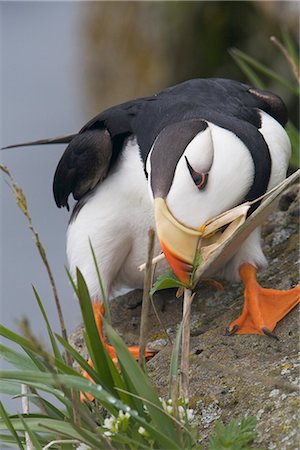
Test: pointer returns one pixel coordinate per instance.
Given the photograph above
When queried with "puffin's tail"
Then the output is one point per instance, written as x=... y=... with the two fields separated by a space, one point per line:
x=57 y=140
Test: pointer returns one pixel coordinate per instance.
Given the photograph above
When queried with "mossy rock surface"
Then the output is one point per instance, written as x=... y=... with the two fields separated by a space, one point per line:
x=233 y=376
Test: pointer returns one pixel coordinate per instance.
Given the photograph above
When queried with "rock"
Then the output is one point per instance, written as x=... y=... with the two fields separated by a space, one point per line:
x=232 y=376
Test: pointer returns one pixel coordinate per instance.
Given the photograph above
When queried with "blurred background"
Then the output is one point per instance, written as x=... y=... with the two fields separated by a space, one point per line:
x=63 y=62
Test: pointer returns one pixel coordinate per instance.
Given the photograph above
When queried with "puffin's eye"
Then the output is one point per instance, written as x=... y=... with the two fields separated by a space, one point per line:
x=200 y=179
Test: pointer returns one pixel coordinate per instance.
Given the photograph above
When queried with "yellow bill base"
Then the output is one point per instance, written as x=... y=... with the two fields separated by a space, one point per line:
x=179 y=243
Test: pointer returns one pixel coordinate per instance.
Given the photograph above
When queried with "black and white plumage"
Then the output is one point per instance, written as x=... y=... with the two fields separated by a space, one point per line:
x=165 y=146
x=195 y=150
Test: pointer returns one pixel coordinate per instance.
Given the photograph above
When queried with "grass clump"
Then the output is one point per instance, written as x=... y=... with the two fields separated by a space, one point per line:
x=132 y=415
x=259 y=75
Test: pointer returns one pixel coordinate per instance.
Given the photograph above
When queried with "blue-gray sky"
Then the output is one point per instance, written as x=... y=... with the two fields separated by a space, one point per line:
x=40 y=97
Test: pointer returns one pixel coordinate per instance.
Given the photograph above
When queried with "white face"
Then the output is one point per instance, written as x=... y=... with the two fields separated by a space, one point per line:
x=230 y=175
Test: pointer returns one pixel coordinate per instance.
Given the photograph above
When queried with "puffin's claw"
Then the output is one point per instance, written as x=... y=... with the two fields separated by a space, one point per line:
x=269 y=333
x=232 y=331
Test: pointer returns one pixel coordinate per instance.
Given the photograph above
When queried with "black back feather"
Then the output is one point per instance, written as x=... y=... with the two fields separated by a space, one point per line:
x=226 y=103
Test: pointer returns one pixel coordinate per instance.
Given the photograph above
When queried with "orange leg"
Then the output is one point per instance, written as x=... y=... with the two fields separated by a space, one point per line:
x=263 y=308
x=99 y=311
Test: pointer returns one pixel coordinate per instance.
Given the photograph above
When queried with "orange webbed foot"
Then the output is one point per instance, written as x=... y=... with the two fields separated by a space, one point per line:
x=263 y=308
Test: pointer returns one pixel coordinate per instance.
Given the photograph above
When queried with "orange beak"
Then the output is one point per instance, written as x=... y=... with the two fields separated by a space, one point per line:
x=178 y=242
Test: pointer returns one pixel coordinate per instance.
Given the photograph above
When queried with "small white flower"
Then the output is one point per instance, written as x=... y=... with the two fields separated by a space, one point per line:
x=107 y=433
x=181 y=411
x=169 y=409
x=142 y=430
x=123 y=415
x=190 y=414
x=163 y=403
x=109 y=422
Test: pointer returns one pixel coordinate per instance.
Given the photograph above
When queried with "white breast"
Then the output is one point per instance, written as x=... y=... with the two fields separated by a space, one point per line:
x=116 y=219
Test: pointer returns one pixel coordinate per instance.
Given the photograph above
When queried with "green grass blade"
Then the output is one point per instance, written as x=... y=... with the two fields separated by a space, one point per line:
x=146 y=402
x=52 y=411
x=291 y=47
x=9 y=440
x=81 y=384
x=247 y=70
x=35 y=353
x=10 y=427
x=55 y=348
x=141 y=383
x=295 y=141
x=93 y=342
x=74 y=287
x=112 y=371
x=14 y=389
x=133 y=444
x=14 y=337
x=55 y=364
x=42 y=424
x=15 y=358
x=175 y=360
x=264 y=70
x=10 y=388
x=110 y=402
x=166 y=281
x=40 y=364
x=104 y=298
x=130 y=388
x=33 y=437
x=79 y=359
x=96 y=348
x=234 y=435
x=95 y=440
x=117 y=380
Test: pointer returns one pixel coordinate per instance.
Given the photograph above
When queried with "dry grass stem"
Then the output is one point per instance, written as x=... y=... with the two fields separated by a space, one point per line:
x=146 y=298
x=185 y=347
x=155 y=260
x=285 y=53
x=22 y=203
x=61 y=441
x=174 y=391
x=39 y=400
x=160 y=321
x=25 y=410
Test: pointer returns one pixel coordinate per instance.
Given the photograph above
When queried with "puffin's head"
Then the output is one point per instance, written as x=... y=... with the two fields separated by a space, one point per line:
x=178 y=167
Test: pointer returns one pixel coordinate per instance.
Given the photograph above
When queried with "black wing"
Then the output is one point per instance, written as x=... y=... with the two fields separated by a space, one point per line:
x=56 y=140
x=84 y=164
x=90 y=155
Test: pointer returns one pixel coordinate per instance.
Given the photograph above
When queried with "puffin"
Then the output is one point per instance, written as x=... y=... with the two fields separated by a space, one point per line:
x=172 y=161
